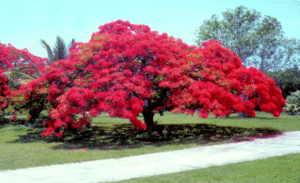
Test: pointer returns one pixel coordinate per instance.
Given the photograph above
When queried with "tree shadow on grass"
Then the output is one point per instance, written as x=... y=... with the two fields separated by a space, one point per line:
x=125 y=136
x=3 y=122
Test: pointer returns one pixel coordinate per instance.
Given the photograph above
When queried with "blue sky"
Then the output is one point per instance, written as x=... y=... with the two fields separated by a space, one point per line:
x=24 y=22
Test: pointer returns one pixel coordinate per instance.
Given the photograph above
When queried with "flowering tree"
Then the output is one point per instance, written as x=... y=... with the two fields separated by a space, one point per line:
x=16 y=68
x=24 y=66
x=126 y=69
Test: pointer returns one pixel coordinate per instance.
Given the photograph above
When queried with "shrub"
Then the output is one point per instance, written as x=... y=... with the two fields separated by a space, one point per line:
x=293 y=103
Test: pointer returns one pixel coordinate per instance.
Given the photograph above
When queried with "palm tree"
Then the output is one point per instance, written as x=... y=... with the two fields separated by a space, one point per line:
x=60 y=51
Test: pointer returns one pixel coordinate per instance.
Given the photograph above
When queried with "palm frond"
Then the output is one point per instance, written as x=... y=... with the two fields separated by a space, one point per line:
x=60 y=51
x=71 y=43
x=49 y=51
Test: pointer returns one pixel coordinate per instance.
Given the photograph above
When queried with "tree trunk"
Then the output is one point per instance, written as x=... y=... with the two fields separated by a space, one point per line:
x=242 y=115
x=148 y=117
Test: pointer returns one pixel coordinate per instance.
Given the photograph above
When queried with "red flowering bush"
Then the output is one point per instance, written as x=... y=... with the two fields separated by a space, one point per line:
x=127 y=69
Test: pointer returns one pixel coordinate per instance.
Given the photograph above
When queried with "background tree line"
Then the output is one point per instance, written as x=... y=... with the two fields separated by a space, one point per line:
x=287 y=80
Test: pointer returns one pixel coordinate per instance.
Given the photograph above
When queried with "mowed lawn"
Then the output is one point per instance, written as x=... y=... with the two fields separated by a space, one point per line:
x=22 y=147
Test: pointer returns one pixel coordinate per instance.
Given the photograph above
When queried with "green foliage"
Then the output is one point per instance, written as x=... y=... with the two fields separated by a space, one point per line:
x=293 y=102
x=294 y=98
x=288 y=80
x=291 y=108
x=291 y=75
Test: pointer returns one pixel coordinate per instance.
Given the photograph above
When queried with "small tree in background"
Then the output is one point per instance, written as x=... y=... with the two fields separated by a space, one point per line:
x=258 y=42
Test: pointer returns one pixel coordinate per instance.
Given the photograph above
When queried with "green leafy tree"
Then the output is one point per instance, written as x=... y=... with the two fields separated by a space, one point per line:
x=292 y=52
x=60 y=50
x=257 y=43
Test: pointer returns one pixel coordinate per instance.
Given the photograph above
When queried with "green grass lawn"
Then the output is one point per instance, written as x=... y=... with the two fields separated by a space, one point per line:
x=22 y=147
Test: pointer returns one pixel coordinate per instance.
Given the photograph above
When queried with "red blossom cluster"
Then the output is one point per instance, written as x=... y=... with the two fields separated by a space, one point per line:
x=12 y=58
x=213 y=79
x=5 y=63
x=127 y=69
